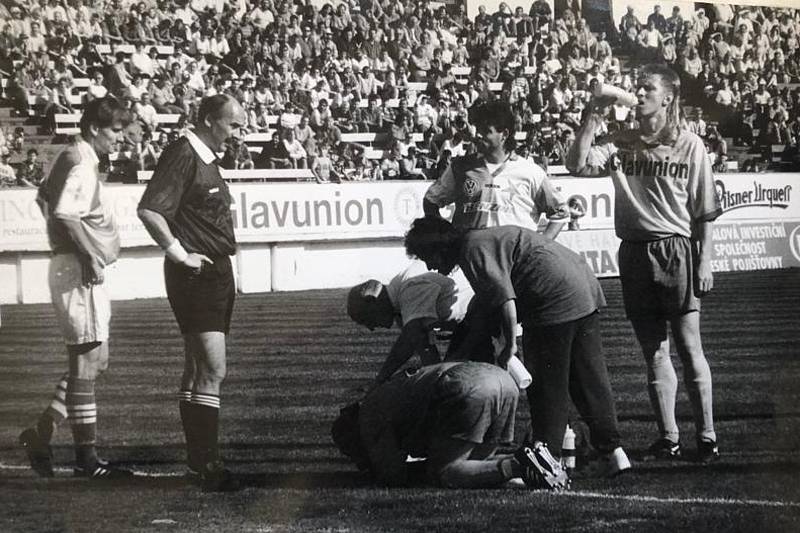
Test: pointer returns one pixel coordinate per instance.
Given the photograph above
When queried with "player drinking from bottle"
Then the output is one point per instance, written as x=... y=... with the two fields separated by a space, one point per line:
x=665 y=204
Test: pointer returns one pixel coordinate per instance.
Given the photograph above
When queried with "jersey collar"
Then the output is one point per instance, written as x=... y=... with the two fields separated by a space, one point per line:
x=201 y=148
x=87 y=148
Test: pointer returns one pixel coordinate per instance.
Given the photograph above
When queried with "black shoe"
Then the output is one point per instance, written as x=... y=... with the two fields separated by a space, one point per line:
x=39 y=454
x=707 y=451
x=102 y=470
x=540 y=470
x=663 y=449
x=216 y=478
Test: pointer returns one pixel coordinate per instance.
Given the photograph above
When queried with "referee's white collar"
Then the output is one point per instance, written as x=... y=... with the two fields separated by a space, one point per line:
x=201 y=148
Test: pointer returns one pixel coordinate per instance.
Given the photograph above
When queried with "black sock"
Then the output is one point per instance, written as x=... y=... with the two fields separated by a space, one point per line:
x=205 y=408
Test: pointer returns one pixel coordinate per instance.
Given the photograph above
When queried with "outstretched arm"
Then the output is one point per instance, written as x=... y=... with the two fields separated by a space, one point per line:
x=414 y=338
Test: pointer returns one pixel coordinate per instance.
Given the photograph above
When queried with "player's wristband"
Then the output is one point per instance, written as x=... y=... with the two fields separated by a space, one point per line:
x=175 y=252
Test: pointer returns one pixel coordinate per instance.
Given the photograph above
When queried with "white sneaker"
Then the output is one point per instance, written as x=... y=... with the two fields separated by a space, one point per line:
x=615 y=463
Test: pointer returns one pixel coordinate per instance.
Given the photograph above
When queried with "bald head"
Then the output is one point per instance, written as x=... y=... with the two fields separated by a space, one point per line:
x=219 y=118
x=215 y=106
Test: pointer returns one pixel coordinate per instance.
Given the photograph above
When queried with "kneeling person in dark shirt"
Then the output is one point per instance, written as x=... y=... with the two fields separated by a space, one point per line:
x=516 y=272
x=453 y=414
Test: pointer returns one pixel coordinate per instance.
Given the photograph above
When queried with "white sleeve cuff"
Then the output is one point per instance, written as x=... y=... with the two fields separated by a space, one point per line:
x=175 y=252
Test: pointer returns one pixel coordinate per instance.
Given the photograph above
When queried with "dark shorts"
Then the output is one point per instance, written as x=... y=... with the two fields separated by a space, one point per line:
x=658 y=278
x=201 y=301
x=476 y=402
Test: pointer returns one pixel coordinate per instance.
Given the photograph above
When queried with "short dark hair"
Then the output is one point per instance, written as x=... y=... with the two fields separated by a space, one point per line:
x=430 y=235
x=103 y=113
x=495 y=113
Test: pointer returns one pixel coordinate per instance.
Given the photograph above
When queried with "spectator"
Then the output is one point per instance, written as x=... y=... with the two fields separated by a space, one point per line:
x=8 y=176
x=390 y=163
x=323 y=168
x=717 y=150
x=305 y=135
x=297 y=154
x=236 y=155
x=274 y=154
x=630 y=27
x=96 y=89
x=650 y=41
x=119 y=79
x=141 y=62
x=657 y=19
x=152 y=149
x=320 y=114
x=410 y=169
x=696 y=124
x=18 y=140
x=329 y=133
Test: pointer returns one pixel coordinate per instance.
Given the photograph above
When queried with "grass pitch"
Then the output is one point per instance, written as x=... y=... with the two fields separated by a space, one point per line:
x=295 y=358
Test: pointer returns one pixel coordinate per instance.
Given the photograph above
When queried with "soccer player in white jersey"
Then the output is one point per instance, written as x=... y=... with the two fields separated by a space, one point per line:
x=84 y=240
x=664 y=207
x=418 y=301
x=496 y=187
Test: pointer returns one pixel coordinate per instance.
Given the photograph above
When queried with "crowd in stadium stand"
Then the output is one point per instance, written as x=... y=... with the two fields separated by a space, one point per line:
x=306 y=76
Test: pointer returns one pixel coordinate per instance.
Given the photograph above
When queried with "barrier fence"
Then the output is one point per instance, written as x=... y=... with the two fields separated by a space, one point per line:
x=342 y=225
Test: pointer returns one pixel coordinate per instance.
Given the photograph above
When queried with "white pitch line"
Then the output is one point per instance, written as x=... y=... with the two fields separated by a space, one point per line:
x=575 y=494
x=64 y=470
x=683 y=501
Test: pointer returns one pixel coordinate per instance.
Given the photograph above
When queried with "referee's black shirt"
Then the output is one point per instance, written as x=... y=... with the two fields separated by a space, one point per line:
x=189 y=192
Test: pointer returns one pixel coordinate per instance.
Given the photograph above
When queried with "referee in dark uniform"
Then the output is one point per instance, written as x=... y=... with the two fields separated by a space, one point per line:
x=186 y=209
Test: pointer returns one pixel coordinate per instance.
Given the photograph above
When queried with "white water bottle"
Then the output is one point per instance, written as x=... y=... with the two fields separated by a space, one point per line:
x=621 y=96
x=568 y=449
x=518 y=371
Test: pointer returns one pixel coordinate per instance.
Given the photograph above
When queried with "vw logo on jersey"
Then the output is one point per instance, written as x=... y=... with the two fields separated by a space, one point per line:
x=471 y=187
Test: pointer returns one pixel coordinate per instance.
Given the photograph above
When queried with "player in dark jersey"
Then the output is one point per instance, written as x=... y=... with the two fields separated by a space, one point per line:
x=186 y=209
x=518 y=274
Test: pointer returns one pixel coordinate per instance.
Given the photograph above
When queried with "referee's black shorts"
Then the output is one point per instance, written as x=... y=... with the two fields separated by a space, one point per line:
x=202 y=301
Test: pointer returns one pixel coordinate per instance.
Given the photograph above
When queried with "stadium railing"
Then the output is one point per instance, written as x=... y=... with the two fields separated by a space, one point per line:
x=67 y=123
x=277 y=174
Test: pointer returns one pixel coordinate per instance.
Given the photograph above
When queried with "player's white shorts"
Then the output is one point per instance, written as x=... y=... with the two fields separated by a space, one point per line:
x=83 y=312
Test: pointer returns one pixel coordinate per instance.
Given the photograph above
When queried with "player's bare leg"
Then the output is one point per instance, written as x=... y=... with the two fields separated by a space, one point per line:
x=662 y=382
x=697 y=377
